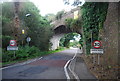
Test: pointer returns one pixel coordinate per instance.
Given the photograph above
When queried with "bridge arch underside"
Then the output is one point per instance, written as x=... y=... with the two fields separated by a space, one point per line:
x=59 y=32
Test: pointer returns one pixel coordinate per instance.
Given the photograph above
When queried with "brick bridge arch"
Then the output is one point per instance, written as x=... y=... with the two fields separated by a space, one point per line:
x=60 y=28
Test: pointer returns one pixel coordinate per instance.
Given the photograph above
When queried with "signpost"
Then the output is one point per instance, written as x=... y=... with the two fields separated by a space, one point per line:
x=96 y=44
x=28 y=40
x=97 y=49
x=12 y=46
x=13 y=43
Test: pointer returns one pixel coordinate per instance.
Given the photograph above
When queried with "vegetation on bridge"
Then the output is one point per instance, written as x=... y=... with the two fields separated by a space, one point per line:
x=59 y=15
x=74 y=25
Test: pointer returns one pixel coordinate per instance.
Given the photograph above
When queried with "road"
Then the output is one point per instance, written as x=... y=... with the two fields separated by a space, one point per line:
x=51 y=66
x=48 y=67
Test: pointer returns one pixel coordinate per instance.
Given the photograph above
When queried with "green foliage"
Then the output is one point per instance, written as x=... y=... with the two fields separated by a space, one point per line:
x=50 y=17
x=59 y=15
x=68 y=22
x=7 y=18
x=73 y=24
x=81 y=41
x=8 y=10
x=93 y=17
x=39 y=27
x=35 y=26
x=74 y=44
x=23 y=52
x=6 y=40
x=65 y=41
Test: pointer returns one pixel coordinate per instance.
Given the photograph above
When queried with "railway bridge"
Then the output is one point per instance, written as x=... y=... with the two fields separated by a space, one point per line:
x=60 y=28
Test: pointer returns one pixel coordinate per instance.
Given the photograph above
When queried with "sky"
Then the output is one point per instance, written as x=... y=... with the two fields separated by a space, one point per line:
x=50 y=6
x=47 y=6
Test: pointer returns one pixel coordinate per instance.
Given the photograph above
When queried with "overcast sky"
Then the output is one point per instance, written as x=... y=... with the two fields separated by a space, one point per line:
x=50 y=6
x=47 y=6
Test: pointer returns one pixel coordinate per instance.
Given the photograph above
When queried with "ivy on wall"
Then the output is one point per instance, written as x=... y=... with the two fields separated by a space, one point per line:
x=93 y=17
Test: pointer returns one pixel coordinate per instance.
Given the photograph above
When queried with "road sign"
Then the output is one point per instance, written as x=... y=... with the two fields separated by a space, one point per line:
x=96 y=44
x=28 y=39
x=99 y=51
x=12 y=48
x=13 y=43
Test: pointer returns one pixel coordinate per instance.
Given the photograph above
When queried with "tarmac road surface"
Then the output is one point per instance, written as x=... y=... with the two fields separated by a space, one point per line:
x=48 y=67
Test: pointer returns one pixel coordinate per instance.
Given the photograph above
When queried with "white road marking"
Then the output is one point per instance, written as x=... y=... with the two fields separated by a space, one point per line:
x=19 y=64
x=66 y=72
x=65 y=69
x=74 y=74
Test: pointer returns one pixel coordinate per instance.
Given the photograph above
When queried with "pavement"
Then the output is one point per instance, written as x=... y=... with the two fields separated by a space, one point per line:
x=78 y=70
x=50 y=67
x=82 y=71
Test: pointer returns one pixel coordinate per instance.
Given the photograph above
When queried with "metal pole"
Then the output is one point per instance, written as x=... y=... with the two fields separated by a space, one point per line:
x=98 y=59
x=28 y=43
x=91 y=39
x=91 y=47
x=22 y=42
x=14 y=54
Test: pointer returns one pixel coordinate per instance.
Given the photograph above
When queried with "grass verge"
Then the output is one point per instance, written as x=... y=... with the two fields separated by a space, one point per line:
x=41 y=53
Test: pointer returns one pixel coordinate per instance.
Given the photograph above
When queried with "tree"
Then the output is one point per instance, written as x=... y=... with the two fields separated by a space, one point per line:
x=39 y=27
x=73 y=24
x=50 y=17
x=35 y=26
x=7 y=18
x=59 y=14
x=65 y=41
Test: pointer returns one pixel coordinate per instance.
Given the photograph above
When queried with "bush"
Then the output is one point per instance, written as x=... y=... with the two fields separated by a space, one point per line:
x=59 y=15
x=6 y=40
x=22 y=53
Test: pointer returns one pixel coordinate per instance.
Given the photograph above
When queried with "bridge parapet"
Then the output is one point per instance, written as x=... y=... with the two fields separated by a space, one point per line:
x=61 y=21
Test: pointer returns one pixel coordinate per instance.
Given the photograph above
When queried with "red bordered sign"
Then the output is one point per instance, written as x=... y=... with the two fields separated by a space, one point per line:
x=13 y=43
x=96 y=44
